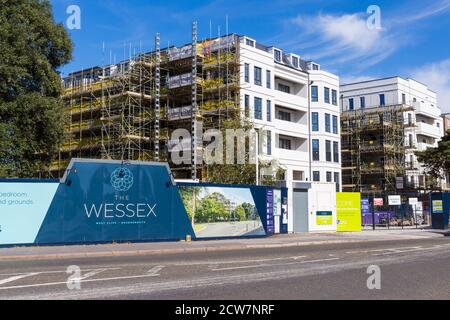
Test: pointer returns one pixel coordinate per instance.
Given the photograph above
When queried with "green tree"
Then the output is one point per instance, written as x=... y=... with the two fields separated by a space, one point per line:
x=248 y=208
x=211 y=209
x=32 y=48
x=239 y=213
x=437 y=160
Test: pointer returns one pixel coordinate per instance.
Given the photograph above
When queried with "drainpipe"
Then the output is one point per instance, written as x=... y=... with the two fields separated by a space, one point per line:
x=310 y=83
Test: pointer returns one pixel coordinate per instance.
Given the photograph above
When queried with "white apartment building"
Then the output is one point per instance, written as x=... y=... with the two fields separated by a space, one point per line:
x=298 y=105
x=291 y=102
x=425 y=115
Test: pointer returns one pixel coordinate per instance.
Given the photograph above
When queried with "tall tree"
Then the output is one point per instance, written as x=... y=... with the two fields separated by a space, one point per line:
x=437 y=160
x=32 y=48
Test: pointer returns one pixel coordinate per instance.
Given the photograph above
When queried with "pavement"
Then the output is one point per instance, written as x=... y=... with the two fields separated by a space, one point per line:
x=412 y=265
x=234 y=229
x=139 y=249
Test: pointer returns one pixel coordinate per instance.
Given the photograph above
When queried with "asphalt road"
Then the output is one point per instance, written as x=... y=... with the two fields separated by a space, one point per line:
x=410 y=269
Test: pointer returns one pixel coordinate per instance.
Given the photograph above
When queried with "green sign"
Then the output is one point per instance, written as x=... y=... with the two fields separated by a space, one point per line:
x=437 y=206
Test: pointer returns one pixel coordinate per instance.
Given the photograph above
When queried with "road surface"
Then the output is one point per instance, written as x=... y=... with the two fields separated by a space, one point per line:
x=410 y=269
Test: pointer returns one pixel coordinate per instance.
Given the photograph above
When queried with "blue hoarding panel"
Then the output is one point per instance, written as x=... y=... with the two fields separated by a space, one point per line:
x=103 y=202
x=107 y=201
x=440 y=210
x=23 y=207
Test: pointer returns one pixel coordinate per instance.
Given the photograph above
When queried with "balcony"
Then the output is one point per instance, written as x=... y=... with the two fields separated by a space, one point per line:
x=429 y=130
x=421 y=146
x=292 y=155
x=427 y=110
x=290 y=100
x=291 y=128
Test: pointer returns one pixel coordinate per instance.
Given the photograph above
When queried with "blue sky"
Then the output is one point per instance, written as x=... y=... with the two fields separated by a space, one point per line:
x=414 y=39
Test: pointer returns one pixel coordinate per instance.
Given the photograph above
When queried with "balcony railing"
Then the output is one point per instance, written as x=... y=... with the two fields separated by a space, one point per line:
x=429 y=130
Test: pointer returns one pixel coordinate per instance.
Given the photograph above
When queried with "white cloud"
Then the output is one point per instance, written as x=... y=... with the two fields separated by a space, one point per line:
x=420 y=13
x=437 y=77
x=343 y=38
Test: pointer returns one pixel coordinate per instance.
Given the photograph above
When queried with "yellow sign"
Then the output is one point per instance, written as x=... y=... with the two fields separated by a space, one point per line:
x=348 y=205
x=324 y=218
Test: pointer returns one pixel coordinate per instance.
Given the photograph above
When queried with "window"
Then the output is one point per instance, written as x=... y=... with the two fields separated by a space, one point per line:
x=329 y=177
x=403 y=98
x=247 y=105
x=268 y=79
x=314 y=94
x=277 y=55
x=285 y=144
x=284 y=88
x=351 y=104
x=247 y=73
x=298 y=175
x=335 y=125
x=269 y=111
x=327 y=95
x=269 y=143
x=337 y=180
x=315 y=121
x=258 y=108
x=327 y=123
x=285 y=116
x=363 y=102
x=336 y=152
x=328 y=150
x=250 y=43
x=334 y=97
x=316 y=176
x=258 y=75
x=316 y=150
x=295 y=62
x=315 y=67
x=382 y=100
x=410 y=119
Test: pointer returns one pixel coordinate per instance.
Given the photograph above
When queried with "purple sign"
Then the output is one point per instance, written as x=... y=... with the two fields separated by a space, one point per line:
x=270 y=218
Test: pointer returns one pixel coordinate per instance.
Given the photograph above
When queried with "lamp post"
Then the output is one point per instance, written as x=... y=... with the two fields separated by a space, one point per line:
x=257 y=158
x=257 y=153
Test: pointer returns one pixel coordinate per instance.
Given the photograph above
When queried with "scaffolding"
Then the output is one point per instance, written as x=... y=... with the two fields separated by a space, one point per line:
x=373 y=148
x=128 y=110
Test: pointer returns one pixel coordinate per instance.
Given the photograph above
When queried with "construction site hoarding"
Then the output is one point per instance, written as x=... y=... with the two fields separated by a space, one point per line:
x=348 y=208
x=101 y=201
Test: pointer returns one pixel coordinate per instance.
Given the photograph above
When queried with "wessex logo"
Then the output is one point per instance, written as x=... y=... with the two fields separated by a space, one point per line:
x=120 y=210
x=122 y=179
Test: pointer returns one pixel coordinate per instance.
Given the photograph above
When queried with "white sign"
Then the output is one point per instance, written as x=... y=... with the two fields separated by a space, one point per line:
x=413 y=201
x=419 y=207
x=395 y=200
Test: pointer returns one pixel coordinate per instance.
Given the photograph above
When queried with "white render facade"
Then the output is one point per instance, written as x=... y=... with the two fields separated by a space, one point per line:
x=303 y=125
x=428 y=128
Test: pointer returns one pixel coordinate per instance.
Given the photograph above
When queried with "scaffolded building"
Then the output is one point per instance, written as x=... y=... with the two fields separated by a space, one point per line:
x=128 y=111
x=374 y=148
